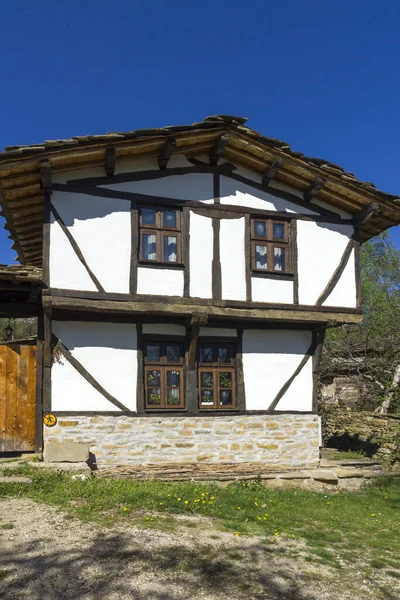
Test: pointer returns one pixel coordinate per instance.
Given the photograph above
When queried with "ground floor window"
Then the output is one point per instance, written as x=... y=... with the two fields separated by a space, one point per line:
x=163 y=375
x=217 y=376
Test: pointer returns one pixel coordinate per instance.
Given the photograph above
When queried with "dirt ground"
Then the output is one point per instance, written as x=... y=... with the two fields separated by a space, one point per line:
x=46 y=555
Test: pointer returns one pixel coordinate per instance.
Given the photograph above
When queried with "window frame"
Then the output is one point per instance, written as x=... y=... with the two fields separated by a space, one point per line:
x=216 y=368
x=164 y=367
x=161 y=231
x=269 y=242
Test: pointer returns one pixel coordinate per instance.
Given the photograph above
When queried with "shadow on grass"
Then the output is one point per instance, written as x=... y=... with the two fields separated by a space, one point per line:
x=118 y=566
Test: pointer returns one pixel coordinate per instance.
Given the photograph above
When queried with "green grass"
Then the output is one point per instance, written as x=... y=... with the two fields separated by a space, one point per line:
x=353 y=454
x=6 y=526
x=3 y=574
x=334 y=528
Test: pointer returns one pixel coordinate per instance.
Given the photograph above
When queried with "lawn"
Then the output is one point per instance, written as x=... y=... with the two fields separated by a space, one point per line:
x=343 y=530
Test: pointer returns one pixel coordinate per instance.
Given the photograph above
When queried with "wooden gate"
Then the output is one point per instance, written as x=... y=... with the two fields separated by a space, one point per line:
x=17 y=397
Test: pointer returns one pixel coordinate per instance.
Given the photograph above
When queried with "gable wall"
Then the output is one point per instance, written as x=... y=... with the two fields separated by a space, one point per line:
x=101 y=228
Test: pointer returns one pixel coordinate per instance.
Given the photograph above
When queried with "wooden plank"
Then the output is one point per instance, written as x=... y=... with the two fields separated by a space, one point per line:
x=76 y=249
x=295 y=260
x=330 y=286
x=218 y=148
x=21 y=424
x=11 y=398
x=149 y=174
x=39 y=397
x=186 y=250
x=314 y=188
x=366 y=214
x=271 y=172
x=85 y=374
x=241 y=393
x=140 y=370
x=217 y=191
x=357 y=265
x=216 y=262
x=133 y=273
x=247 y=256
x=3 y=396
x=319 y=336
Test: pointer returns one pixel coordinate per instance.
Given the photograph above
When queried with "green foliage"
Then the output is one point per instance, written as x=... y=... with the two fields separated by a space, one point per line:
x=22 y=328
x=372 y=348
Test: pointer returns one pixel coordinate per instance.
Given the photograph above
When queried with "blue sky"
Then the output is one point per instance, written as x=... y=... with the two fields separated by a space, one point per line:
x=322 y=75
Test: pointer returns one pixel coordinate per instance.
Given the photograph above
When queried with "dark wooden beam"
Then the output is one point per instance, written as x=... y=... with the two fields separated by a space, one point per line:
x=85 y=374
x=271 y=172
x=109 y=161
x=314 y=188
x=166 y=153
x=216 y=261
x=45 y=175
x=318 y=339
x=330 y=286
x=366 y=214
x=218 y=148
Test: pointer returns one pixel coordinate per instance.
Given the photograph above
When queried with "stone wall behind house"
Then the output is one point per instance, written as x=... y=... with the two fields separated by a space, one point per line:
x=276 y=441
x=378 y=436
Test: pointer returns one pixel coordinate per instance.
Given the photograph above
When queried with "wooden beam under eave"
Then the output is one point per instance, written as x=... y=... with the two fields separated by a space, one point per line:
x=366 y=214
x=109 y=161
x=271 y=172
x=218 y=148
x=314 y=188
x=45 y=175
x=166 y=152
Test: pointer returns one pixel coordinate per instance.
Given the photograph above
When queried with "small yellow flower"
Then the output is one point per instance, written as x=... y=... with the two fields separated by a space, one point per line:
x=255 y=503
x=266 y=514
x=259 y=518
x=186 y=501
x=238 y=508
x=237 y=533
x=373 y=515
x=161 y=503
x=212 y=497
x=125 y=508
x=271 y=541
x=178 y=499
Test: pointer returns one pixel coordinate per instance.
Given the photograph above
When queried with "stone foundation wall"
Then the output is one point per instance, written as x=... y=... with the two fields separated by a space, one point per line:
x=280 y=441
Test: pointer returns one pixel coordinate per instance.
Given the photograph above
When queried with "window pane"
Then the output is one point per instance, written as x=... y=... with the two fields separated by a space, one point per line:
x=149 y=246
x=173 y=397
x=169 y=218
x=154 y=397
x=206 y=355
x=279 y=259
x=279 y=231
x=153 y=353
x=153 y=378
x=225 y=380
x=206 y=380
x=173 y=353
x=260 y=228
x=207 y=397
x=148 y=216
x=225 y=397
x=173 y=378
x=170 y=248
x=261 y=257
x=223 y=354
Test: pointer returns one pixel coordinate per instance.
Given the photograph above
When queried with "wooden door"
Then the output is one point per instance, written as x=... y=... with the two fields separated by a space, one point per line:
x=17 y=397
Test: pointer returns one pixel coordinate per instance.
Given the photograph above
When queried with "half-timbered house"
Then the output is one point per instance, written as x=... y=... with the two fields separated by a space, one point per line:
x=189 y=275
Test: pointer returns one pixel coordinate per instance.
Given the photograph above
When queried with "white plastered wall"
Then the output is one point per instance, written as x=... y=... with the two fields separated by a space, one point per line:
x=163 y=329
x=201 y=255
x=271 y=290
x=160 y=282
x=320 y=248
x=108 y=351
x=232 y=255
x=102 y=229
x=193 y=186
x=270 y=357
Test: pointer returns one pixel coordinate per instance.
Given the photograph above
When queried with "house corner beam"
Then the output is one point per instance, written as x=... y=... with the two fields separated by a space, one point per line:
x=166 y=153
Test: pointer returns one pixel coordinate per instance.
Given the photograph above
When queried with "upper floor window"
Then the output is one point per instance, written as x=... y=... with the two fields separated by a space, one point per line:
x=270 y=246
x=163 y=375
x=160 y=235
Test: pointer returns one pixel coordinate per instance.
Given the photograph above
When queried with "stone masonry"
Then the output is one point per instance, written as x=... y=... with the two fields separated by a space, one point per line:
x=277 y=441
